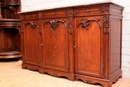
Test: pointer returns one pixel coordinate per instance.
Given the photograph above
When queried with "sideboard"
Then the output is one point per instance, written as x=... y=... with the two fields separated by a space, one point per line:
x=78 y=42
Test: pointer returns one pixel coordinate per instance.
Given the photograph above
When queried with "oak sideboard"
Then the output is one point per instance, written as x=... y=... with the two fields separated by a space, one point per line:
x=78 y=42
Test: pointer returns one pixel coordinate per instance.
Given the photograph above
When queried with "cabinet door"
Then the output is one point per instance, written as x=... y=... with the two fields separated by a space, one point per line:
x=31 y=43
x=88 y=43
x=55 y=44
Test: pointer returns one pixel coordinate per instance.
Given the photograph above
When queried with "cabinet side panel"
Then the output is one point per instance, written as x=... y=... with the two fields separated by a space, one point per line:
x=115 y=43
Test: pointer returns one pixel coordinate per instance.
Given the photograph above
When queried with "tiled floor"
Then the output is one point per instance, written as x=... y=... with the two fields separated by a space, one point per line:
x=11 y=75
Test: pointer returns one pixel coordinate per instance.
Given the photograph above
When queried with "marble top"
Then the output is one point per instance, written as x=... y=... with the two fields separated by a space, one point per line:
x=71 y=4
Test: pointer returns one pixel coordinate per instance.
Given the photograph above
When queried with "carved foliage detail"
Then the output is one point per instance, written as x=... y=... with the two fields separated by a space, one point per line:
x=76 y=11
x=86 y=22
x=69 y=12
x=106 y=24
x=32 y=24
x=55 y=23
x=104 y=8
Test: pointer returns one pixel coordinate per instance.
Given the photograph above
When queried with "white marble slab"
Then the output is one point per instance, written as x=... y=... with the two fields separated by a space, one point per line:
x=47 y=4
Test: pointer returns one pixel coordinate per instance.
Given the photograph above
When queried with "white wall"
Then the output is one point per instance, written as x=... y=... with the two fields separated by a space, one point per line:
x=31 y=5
x=126 y=39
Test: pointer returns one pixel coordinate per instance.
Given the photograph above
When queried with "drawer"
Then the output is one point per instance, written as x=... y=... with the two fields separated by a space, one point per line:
x=91 y=10
x=29 y=15
x=61 y=12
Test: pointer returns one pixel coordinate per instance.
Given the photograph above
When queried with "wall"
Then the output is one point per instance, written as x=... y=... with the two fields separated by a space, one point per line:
x=30 y=5
x=126 y=39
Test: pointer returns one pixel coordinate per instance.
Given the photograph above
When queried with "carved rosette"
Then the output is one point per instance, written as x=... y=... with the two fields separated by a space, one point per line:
x=106 y=24
x=55 y=23
x=84 y=23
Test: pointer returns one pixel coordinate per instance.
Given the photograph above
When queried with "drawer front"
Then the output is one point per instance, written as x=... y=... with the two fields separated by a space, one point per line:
x=27 y=16
x=91 y=10
x=63 y=12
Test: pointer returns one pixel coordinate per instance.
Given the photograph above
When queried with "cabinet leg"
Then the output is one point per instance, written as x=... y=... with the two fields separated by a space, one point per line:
x=107 y=85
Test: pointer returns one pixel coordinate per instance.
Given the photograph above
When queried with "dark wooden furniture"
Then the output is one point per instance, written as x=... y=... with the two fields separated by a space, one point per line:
x=80 y=42
x=10 y=38
x=9 y=9
x=10 y=54
x=10 y=45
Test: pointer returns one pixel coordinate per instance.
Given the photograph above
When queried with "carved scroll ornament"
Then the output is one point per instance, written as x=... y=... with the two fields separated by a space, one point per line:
x=32 y=24
x=86 y=22
x=55 y=23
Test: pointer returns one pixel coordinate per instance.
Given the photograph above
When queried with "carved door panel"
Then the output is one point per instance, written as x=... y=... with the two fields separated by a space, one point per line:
x=89 y=46
x=55 y=44
x=31 y=43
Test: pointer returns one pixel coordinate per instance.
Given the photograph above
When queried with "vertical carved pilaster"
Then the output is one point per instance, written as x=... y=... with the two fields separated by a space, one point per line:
x=40 y=26
x=22 y=27
x=70 y=25
x=106 y=24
